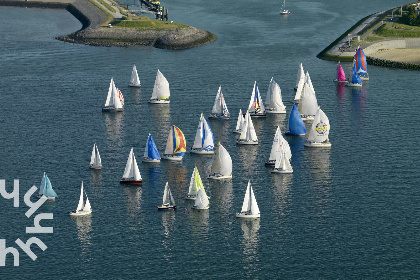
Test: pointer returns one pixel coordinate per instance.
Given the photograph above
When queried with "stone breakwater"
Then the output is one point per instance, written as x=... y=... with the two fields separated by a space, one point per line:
x=94 y=33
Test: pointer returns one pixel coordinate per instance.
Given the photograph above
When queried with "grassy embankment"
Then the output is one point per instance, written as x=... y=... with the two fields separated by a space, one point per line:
x=145 y=23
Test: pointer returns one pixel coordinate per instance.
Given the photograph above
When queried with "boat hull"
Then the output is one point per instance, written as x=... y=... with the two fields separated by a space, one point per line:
x=257 y=115
x=159 y=101
x=247 y=216
x=216 y=117
x=134 y=85
x=237 y=131
x=340 y=82
x=95 y=167
x=201 y=151
x=218 y=176
x=353 y=85
x=171 y=157
x=307 y=118
x=131 y=182
x=166 y=207
x=270 y=163
x=112 y=109
x=268 y=111
x=195 y=208
x=290 y=134
x=150 y=160
x=280 y=171
x=317 y=145
x=191 y=197
x=80 y=213
x=242 y=142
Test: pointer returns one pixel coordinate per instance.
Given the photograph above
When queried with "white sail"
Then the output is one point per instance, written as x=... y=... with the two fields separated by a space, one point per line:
x=217 y=107
x=135 y=168
x=115 y=97
x=276 y=144
x=299 y=86
x=192 y=190
x=309 y=81
x=250 y=203
x=161 y=87
x=131 y=169
x=98 y=161
x=276 y=103
x=254 y=205
x=308 y=105
x=300 y=75
x=248 y=131
x=108 y=97
x=320 y=128
x=87 y=207
x=240 y=121
x=202 y=201
x=80 y=205
x=146 y=148
x=166 y=195
x=222 y=162
x=209 y=139
x=244 y=127
x=269 y=92
x=135 y=81
x=203 y=136
x=256 y=105
x=169 y=150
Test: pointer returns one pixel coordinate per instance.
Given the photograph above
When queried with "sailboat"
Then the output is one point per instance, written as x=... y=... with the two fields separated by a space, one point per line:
x=296 y=125
x=195 y=184
x=45 y=189
x=82 y=209
x=131 y=173
x=300 y=78
x=201 y=201
x=248 y=135
x=356 y=81
x=175 y=145
x=204 y=140
x=276 y=105
x=308 y=104
x=134 y=81
x=168 y=200
x=114 y=100
x=239 y=123
x=341 y=76
x=320 y=129
x=151 y=153
x=249 y=206
x=269 y=92
x=161 y=92
x=282 y=155
x=221 y=167
x=95 y=158
x=220 y=110
x=256 y=105
x=283 y=10
x=279 y=144
x=361 y=65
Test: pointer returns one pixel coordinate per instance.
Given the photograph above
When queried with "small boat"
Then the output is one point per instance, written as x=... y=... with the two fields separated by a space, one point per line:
x=45 y=189
x=195 y=184
x=131 y=173
x=282 y=156
x=168 y=200
x=341 y=76
x=248 y=135
x=256 y=105
x=296 y=125
x=356 y=81
x=299 y=80
x=269 y=92
x=276 y=105
x=151 y=153
x=161 y=92
x=82 y=209
x=239 y=123
x=283 y=10
x=279 y=144
x=220 y=110
x=134 y=81
x=204 y=140
x=320 y=129
x=361 y=65
x=221 y=167
x=308 y=104
x=201 y=201
x=175 y=145
x=95 y=158
x=115 y=100
x=249 y=206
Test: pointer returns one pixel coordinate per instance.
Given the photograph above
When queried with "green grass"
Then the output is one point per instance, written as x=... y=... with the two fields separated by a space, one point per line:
x=144 y=22
x=107 y=6
x=396 y=33
x=109 y=16
x=404 y=26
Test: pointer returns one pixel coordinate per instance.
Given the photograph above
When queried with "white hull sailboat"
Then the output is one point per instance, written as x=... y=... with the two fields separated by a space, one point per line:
x=239 y=123
x=256 y=105
x=161 y=92
x=151 y=153
x=195 y=184
x=45 y=188
x=250 y=208
x=95 y=158
x=275 y=105
x=168 y=200
x=175 y=145
x=204 y=140
x=82 y=209
x=279 y=144
x=248 y=135
x=131 y=173
x=134 y=81
x=221 y=167
x=299 y=81
x=114 y=100
x=220 y=110
x=320 y=129
x=283 y=10
x=201 y=201
x=282 y=155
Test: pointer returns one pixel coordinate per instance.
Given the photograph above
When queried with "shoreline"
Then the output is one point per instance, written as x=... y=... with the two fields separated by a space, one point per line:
x=95 y=33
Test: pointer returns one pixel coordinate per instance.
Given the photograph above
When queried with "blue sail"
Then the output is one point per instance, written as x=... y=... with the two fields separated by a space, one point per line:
x=296 y=125
x=355 y=79
x=152 y=151
x=46 y=187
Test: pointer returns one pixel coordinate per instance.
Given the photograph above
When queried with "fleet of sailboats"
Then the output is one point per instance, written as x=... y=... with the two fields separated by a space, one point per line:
x=95 y=158
x=221 y=167
x=131 y=172
x=168 y=201
x=82 y=208
x=161 y=92
x=204 y=140
x=45 y=188
x=134 y=81
x=220 y=110
x=175 y=145
x=151 y=153
x=250 y=208
x=114 y=100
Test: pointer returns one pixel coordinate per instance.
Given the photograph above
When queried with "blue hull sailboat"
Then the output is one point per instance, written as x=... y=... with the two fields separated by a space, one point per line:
x=45 y=189
x=296 y=125
x=151 y=153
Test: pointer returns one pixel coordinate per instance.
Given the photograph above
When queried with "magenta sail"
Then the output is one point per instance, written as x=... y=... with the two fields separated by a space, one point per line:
x=341 y=77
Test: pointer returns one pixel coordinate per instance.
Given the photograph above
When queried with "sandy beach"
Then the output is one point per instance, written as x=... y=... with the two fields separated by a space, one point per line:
x=401 y=55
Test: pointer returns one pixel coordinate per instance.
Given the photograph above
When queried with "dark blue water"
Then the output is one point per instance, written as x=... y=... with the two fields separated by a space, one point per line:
x=350 y=212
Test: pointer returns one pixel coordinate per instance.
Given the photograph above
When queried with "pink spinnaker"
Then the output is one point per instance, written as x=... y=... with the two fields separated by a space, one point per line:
x=341 y=77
